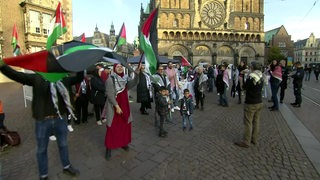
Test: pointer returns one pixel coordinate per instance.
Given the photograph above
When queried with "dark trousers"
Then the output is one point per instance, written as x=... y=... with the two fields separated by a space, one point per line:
x=297 y=94
x=98 y=108
x=81 y=107
x=199 y=98
x=274 y=91
x=282 y=90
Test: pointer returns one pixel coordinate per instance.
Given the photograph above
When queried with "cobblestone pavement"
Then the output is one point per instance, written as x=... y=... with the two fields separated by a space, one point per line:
x=207 y=152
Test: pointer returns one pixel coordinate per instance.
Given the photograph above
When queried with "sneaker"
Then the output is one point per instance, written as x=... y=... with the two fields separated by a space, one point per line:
x=184 y=129
x=53 y=138
x=99 y=123
x=172 y=110
x=177 y=108
x=70 y=128
x=71 y=171
x=45 y=177
x=104 y=120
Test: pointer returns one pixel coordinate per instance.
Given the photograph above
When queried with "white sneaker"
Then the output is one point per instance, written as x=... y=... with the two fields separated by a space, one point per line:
x=99 y=123
x=104 y=120
x=70 y=128
x=53 y=138
x=172 y=110
x=177 y=108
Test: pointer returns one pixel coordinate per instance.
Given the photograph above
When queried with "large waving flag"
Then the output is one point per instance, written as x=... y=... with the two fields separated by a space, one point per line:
x=75 y=56
x=122 y=37
x=59 y=27
x=145 y=44
x=14 y=42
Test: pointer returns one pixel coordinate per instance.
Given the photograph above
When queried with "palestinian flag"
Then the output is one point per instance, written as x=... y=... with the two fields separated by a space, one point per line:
x=122 y=37
x=14 y=42
x=75 y=56
x=184 y=62
x=59 y=27
x=145 y=44
x=83 y=38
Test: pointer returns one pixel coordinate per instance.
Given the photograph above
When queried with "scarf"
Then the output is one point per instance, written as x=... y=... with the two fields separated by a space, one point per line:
x=148 y=81
x=65 y=95
x=119 y=82
x=256 y=76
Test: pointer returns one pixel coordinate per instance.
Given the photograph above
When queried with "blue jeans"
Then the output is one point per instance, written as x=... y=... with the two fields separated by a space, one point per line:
x=274 y=92
x=186 y=117
x=44 y=129
x=223 y=100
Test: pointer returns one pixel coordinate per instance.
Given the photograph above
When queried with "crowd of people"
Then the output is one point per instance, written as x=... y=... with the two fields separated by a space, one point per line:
x=172 y=88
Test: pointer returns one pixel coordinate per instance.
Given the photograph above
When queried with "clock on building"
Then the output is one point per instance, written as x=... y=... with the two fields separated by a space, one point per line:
x=213 y=14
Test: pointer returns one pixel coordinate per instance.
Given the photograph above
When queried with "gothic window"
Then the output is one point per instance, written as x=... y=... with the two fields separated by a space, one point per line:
x=282 y=44
x=175 y=23
x=34 y=22
x=46 y=23
x=247 y=26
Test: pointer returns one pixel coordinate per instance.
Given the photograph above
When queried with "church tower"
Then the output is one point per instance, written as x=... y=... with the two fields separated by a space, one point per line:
x=112 y=36
x=211 y=31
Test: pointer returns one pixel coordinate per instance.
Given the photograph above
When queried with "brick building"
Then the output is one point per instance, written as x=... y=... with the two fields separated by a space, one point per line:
x=280 y=38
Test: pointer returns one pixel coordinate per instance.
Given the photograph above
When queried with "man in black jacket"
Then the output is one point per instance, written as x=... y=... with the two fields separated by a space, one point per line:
x=50 y=102
x=297 y=84
x=253 y=106
x=283 y=84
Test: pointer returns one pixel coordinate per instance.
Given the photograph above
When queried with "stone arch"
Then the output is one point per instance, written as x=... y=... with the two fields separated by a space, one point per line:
x=190 y=35
x=184 y=35
x=202 y=36
x=165 y=35
x=208 y=36
x=178 y=50
x=202 y=50
x=186 y=21
x=225 y=53
x=256 y=24
x=163 y=20
x=247 y=53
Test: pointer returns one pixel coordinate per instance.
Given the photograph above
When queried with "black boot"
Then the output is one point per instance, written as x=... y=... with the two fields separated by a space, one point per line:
x=108 y=154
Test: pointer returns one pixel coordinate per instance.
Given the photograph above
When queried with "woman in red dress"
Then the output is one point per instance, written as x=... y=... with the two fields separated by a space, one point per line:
x=117 y=109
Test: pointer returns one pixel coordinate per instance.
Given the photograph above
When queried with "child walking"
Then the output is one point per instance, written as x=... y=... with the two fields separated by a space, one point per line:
x=186 y=109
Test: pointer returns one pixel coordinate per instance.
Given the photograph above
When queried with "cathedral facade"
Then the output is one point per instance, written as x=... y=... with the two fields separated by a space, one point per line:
x=211 y=31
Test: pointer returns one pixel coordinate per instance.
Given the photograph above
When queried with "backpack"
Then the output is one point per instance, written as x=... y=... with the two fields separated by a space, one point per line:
x=220 y=83
x=10 y=137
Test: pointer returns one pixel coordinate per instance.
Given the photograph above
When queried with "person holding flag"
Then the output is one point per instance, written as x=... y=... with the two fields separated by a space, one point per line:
x=117 y=109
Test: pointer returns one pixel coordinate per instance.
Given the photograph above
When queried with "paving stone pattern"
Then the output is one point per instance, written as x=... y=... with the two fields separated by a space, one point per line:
x=206 y=152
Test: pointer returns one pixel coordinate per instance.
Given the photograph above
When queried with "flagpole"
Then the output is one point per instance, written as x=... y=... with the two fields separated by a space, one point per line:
x=115 y=45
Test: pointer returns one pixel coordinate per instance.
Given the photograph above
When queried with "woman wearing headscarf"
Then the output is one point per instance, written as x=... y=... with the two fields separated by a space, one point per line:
x=117 y=108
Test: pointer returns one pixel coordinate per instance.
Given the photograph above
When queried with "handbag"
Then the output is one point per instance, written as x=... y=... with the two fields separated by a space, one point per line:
x=11 y=137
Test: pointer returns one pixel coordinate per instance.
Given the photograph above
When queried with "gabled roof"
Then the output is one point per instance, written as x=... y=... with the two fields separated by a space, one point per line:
x=269 y=34
x=301 y=43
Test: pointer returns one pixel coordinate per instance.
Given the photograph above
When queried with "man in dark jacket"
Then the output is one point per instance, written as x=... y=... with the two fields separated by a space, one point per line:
x=297 y=84
x=50 y=102
x=253 y=106
x=283 y=84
